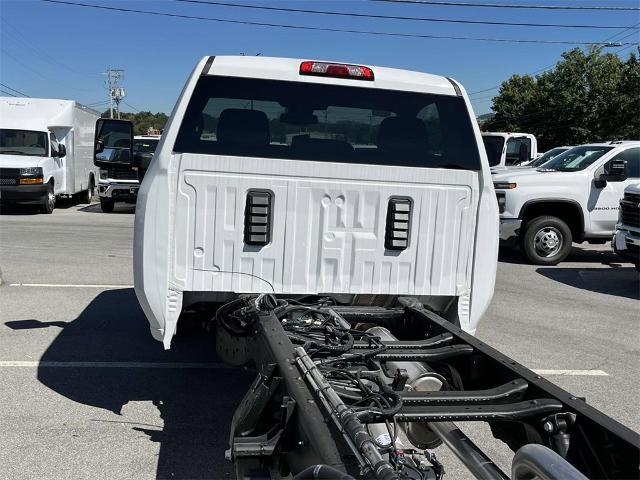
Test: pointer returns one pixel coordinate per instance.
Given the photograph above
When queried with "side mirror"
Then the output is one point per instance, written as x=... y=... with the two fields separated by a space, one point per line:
x=62 y=150
x=113 y=143
x=614 y=170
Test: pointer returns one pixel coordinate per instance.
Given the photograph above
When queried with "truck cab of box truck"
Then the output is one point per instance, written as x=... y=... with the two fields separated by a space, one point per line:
x=303 y=178
x=45 y=151
x=507 y=149
x=120 y=182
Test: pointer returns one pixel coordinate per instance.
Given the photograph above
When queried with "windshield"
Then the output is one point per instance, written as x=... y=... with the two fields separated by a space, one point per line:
x=576 y=158
x=545 y=157
x=493 y=145
x=145 y=145
x=320 y=122
x=23 y=142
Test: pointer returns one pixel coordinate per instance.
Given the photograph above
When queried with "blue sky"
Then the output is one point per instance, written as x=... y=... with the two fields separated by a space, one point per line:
x=60 y=51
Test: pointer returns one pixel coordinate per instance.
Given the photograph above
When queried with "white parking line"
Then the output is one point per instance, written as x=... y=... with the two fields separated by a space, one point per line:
x=574 y=373
x=151 y=365
x=68 y=285
x=212 y=366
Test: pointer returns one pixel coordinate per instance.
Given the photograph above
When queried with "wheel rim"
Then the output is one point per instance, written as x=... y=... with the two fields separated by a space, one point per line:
x=51 y=198
x=548 y=241
x=90 y=193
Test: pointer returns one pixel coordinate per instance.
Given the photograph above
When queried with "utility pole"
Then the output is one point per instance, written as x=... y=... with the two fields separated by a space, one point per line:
x=114 y=90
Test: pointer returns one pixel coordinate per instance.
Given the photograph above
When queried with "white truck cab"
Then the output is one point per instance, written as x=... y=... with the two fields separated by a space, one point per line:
x=315 y=178
x=572 y=198
x=505 y=149
x=626 y=238
x=45 y=151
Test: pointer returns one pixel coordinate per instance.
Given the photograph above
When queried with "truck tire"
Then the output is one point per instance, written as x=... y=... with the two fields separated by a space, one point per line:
x=547 y=240
x=87 y=195
x=107 y=205
x=49 y=200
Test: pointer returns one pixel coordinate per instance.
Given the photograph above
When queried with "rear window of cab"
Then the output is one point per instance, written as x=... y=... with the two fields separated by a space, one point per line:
x=308 y=121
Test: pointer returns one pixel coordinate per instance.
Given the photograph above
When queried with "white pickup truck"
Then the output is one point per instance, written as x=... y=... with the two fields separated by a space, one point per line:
x=505 y=149
x=345 y=215
x=307 y=178
x=572 y=198
x=120 y=183
x=626 y=239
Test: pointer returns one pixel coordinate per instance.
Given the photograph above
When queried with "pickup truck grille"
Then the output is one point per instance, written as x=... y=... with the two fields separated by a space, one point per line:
x=630 y=209
x=122 y=174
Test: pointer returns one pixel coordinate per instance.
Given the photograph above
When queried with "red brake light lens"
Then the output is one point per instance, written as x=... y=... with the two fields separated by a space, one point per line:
x=337 y=70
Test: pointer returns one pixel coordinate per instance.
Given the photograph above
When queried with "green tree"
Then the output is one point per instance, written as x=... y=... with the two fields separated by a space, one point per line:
x=587 y=97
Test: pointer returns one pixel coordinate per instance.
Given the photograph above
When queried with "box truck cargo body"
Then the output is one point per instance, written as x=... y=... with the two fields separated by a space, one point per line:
x=46 y=150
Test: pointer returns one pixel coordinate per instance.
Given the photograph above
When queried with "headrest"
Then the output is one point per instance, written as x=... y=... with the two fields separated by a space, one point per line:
x=402 y=133
x=237 y=125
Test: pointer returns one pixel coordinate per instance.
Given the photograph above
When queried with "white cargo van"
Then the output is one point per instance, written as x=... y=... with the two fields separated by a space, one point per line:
x=505 y=149
x=46 y=150
x=314 y=178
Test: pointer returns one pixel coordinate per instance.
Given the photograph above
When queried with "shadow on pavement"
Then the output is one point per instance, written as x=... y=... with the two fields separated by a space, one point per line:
x=119 y=208
x=196 y=405
x=34 y=209
x=621 y=282
x=586 y=254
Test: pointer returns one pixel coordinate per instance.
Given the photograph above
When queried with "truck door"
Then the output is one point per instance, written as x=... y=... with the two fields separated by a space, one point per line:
x=58 y=165
x=604 y=210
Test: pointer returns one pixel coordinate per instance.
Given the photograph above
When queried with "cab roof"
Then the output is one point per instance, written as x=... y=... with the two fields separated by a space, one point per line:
x=503 y=134
x=288 y=69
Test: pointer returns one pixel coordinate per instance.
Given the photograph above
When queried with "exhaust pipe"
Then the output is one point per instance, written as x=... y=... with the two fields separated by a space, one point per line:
x=430 y=435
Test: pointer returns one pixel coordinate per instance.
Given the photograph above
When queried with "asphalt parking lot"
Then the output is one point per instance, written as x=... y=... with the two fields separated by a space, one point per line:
x=78 y=401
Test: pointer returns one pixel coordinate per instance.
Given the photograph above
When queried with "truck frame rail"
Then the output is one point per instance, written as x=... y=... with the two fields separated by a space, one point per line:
x=369 y=392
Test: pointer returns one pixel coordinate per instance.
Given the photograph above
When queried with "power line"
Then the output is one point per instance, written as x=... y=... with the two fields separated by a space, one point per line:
x=17 y=37
x=504 y=5
x=37 y=72
x=477 y=99
x=131 y=106
x=394 y=17
x=625 y=48
x=544 y=69
x=13 y=90
x=323 y=29
x=7 y=93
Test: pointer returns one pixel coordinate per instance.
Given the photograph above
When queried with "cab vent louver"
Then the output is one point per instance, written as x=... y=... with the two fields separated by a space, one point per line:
x=257 y=217
x=398 y=224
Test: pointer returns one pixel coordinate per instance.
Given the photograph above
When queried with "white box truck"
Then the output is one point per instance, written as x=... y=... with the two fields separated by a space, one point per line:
x=46 y=151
